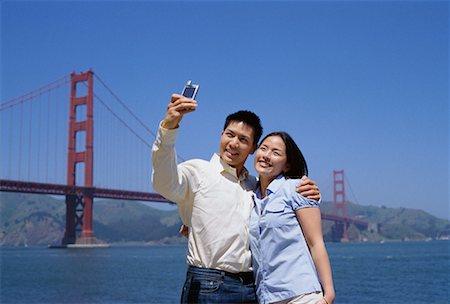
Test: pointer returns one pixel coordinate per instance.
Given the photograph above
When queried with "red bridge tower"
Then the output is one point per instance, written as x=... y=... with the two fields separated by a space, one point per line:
x=79 y=206
x=339 y=231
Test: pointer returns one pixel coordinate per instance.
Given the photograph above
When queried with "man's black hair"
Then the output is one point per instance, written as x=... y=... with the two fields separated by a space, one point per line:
x=250 y=119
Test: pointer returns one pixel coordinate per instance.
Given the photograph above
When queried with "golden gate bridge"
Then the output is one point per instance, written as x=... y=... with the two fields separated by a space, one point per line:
x=36 y=154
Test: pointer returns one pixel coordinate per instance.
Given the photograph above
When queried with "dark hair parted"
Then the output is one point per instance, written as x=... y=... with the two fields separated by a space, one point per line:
x=250 y=119
x=296 y=163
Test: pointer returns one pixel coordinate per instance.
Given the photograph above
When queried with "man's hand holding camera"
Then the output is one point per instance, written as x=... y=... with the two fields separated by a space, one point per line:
x=177 y=108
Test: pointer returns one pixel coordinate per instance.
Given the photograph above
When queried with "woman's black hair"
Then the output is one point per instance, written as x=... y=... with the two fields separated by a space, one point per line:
x=296 y=163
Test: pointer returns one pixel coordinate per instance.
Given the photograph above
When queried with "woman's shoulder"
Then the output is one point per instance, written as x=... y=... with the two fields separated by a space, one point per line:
x=297 y=200
x=287 y=187
x=292 y=183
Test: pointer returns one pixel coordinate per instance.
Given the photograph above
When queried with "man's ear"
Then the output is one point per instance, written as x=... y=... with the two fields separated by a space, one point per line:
x=255 y=146
x=286 y=169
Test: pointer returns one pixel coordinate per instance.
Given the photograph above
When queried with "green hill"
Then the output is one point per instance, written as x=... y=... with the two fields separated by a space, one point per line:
x=391 y=223
x=28 y=219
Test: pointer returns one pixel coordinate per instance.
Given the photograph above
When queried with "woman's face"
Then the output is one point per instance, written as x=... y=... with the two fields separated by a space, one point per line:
x=270 y=157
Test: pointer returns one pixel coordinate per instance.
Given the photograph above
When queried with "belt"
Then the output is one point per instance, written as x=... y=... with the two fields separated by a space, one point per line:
x=244 y=277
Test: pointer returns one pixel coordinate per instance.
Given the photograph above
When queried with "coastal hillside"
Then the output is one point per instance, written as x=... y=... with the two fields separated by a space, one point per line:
x=390 y=223
x=29 y=220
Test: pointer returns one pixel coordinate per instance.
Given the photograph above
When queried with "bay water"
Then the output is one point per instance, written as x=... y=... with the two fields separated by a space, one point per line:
x=397 y=272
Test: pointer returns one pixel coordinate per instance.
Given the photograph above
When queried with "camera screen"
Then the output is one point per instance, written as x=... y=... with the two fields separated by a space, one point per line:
x=189 y=92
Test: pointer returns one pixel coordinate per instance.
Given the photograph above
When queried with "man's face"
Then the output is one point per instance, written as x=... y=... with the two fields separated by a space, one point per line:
x=236 y=144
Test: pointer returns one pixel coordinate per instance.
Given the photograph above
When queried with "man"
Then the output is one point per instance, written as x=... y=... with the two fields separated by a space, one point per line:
x=214 y=201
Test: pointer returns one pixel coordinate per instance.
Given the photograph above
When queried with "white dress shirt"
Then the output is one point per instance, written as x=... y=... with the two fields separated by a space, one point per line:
x=212 y=201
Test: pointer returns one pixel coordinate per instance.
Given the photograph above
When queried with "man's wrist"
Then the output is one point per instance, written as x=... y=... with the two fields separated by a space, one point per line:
x=169 y=126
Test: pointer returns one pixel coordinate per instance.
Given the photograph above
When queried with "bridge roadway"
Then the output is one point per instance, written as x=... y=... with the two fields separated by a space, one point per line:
x=57 y=189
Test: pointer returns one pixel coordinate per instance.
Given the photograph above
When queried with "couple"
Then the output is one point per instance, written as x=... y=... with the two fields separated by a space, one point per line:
x=229 y=212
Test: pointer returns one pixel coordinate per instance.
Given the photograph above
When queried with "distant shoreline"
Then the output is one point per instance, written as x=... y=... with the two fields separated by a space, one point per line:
x=134 y=244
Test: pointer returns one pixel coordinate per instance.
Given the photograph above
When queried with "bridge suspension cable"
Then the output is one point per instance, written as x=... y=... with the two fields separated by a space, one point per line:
x=123 y=104
x=36 y=92
x=31 y=133
x=122 y=121
x=351 y=190
x=35 y=142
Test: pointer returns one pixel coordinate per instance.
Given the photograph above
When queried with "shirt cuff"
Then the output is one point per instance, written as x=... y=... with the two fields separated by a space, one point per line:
x=167 y=136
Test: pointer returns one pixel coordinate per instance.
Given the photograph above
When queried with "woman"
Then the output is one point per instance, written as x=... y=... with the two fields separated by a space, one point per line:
x=290 y=261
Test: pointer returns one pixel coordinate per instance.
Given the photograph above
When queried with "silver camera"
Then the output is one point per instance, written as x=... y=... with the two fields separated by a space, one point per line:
x=190 y=90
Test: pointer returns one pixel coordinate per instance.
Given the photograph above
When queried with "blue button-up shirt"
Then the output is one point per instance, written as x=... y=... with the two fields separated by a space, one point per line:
x=282 y=263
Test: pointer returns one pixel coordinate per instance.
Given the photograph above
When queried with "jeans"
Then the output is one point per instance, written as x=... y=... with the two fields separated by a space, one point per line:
x=205 y=285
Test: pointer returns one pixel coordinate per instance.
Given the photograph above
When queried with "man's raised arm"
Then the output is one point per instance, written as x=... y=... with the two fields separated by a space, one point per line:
x=167 y=178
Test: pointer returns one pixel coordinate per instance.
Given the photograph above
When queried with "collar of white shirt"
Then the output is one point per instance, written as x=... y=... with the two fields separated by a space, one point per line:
x=221 y=166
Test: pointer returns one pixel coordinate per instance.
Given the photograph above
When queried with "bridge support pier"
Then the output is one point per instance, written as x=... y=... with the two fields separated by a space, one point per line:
x=79 y=210
x=72 y=219
x=339 y=232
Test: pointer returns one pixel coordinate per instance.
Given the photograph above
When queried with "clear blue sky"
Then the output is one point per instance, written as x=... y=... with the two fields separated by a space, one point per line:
x=361 y=85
